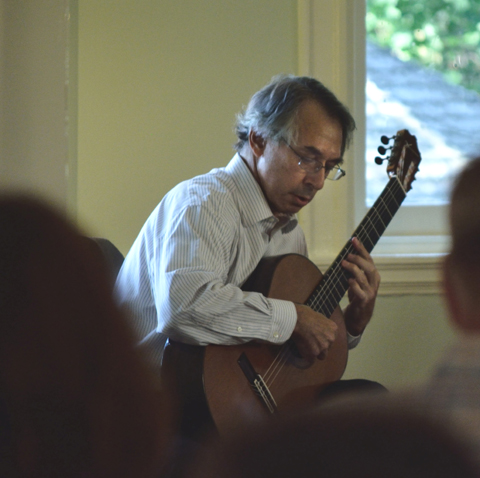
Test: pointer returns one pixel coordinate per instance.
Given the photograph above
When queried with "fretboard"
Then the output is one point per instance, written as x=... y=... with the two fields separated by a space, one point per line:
x=334 y=283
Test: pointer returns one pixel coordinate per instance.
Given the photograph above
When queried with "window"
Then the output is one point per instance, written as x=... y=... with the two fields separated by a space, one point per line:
x=422 y=62
x=333 y=48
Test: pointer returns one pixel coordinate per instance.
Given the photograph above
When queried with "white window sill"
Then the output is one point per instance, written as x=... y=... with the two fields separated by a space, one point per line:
x=415 y=272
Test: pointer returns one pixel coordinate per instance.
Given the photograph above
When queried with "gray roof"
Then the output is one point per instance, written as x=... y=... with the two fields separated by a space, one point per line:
x=450 y=110
x=445 y=118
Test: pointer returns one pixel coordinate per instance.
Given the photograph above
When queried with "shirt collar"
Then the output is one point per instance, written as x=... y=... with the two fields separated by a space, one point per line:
x=252 y=203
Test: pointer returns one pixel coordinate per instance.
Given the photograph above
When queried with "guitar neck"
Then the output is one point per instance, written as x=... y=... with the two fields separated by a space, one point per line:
x=334 y=283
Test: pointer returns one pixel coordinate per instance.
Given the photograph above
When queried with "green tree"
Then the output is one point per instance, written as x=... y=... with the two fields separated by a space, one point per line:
x=440 y=34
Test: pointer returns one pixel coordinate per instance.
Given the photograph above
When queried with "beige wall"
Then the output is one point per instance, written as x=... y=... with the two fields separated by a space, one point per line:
x=160 y=83
x=34 y=97
x=403 y=341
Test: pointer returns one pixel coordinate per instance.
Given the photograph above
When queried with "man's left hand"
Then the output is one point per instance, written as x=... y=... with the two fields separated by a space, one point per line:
x=363 y=287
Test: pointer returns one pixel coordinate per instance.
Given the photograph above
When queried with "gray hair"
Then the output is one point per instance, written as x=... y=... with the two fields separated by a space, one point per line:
x=272 y=112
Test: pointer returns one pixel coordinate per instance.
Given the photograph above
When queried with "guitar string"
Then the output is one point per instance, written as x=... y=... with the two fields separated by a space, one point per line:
x=285 y=352
x=277 y=364
x=399 y=188
x=380 y=212
x=335 y=286
x=284 y=356
x=337 y=272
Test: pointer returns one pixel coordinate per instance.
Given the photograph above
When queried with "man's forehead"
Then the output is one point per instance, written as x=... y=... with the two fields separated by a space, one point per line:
x=316 y=128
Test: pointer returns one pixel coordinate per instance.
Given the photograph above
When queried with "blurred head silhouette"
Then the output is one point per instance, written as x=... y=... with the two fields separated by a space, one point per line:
x=356 y=438
x=462 y=264
x=76 y=398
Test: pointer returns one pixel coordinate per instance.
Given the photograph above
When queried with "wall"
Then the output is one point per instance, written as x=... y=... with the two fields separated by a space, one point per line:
x=34 y=97
x=403 y=341
x=159 y=86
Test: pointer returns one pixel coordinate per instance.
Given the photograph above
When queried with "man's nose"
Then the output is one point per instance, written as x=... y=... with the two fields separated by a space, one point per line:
x=316 y=180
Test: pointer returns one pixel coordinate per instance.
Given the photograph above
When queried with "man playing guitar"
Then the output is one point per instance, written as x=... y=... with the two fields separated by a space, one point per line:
x=184 y=274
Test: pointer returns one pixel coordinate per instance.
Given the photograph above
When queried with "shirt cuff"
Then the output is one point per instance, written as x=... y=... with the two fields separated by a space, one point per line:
x=353 y=340
x=284 y=319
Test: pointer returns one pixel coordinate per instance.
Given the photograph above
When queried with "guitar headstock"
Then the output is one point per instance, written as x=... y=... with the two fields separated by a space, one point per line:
x=404 y=157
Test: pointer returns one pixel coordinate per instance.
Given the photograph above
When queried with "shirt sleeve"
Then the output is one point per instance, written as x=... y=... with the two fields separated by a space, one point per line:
x=195 y=301
x=353 y=340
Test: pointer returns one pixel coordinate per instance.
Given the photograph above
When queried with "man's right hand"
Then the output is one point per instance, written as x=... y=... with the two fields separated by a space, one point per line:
x=314 y=334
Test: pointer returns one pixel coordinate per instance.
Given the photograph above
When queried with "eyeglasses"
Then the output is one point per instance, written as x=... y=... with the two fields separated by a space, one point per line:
x=313 y=166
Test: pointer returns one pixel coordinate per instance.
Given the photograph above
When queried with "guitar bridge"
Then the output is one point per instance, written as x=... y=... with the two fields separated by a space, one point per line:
x=257 y=383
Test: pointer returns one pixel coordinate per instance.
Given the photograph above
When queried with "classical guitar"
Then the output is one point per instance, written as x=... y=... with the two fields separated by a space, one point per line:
x=247 y=382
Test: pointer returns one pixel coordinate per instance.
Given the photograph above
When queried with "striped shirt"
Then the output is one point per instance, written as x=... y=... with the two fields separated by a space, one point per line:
x=184 y=272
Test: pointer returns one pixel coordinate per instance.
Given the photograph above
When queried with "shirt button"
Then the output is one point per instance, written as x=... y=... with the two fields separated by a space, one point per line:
x=239 y=329
x=275 y=336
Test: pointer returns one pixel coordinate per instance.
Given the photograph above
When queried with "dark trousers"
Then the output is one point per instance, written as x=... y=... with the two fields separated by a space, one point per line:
x=343 y=388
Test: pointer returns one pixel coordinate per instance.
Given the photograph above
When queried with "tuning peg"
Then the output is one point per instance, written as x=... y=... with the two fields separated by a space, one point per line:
x=385 y=139
x=382 y=150
x=380 y=160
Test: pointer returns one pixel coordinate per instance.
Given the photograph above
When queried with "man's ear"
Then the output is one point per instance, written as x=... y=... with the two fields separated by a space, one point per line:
x=257 y=143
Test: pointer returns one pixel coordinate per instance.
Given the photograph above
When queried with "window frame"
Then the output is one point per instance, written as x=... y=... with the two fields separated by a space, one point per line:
x=409 y=261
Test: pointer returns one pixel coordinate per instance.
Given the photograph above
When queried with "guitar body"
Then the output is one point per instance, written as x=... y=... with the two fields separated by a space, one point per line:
x=211 y=389
x=230 y=397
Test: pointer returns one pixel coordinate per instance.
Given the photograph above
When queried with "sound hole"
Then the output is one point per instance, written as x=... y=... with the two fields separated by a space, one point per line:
x=295 y=358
